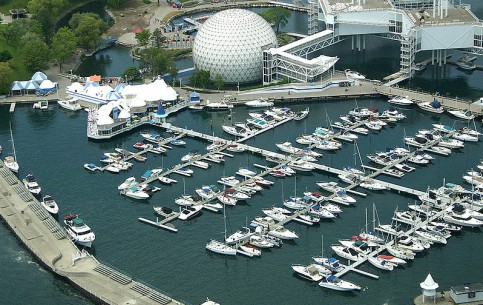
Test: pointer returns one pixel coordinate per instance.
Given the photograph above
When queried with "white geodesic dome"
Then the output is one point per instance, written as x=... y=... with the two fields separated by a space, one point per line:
x=230 y=43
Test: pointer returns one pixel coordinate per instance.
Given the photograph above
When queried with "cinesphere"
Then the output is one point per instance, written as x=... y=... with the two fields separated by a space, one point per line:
x=231 y=43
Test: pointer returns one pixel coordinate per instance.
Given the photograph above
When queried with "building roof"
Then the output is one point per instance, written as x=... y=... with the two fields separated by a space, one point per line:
x=429 y=283
x=469 y=287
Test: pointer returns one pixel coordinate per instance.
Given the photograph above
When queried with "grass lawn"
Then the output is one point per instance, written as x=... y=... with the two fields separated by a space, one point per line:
x=15 y=64
x=6 y=5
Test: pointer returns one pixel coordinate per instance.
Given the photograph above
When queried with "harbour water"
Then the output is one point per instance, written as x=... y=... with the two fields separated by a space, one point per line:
x=178 y=263
x=53 y=146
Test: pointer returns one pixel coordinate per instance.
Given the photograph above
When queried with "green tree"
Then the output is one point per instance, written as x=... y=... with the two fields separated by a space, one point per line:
x=219 y=81
x=114 y=3
x=157 y=61
x=64 y=45
x=194 y=79
x=46 y=20
x=172 y=69
x=88 y=28
x=5 y=56
x=204 y=78
x=131 y=73
x=54 y=6
x=15 y=30
x=277 y=16
x=157 y=38
x=6 y=75
x=35 y=55
x=143 y=37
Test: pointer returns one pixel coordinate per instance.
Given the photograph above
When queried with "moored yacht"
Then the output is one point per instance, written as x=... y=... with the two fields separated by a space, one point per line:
x=31 y=184
x=79 y=232
x=50 y=205
x=312 y=272
x=335 y=283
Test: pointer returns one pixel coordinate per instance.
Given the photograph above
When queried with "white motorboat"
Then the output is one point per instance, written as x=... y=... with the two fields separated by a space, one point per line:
x=340 y=196
x=261 y=242
x=372 y=125
x=330 y=263
x=372 y=185
x=258 y=123
x=190 y=212
x=434 y=106
x=166 y=180
x=390 y=229
x=142 y=146
x=465 y=115
x=207 y=192
x=401 y=101
x=464 y=137
x=294 y=203
x=42 y=105
x=301 y=115
x=314 y=196
x=78 y=231
x=392 y=114
x=91 y=167
x=218 y=106
x=220 y=248
x=177 y=142
x=469 y=131
x=31 y=184
x=248 y=250
x=135 y=193
x=235 y=148
x=215 y=145
x=225 y=199
x=301 y=165
x=190 y=156
x=346 y=252
x=238 y=195
x=321 y=212
x=50 y=205
x=415 y=244
x=463 y=219
x=400 y=252
x=275 y=214
x=261 y=102
x=431 y=237
x=287 y=170
x=70 y=104
x=371 y=236
x=262 y=182
x=381 y=263
x=446 y=226
x=201 y=164
x=418 y=159
x=229 y=181
x=451 y=143
x=329 y=145
x=335 y=283
x=330 y=186
x=351 y=74
x=312 y=272
x=361 y=112
x=288 y=148
x=245 y=172
x=239 y=236
x=392 y=259
x=127 y=183
x=283 y=233
x=443 y=128
x=11 y=163
x=186 y=200
x=346 y=136
x=196 y=106
x=236 y=131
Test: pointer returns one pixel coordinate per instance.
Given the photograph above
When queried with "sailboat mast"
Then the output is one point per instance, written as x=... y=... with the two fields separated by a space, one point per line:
x=366 y=220
x=13 y=143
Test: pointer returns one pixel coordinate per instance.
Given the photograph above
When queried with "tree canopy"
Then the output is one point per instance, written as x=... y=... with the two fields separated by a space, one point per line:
x=219 y=81
x=64 y=45
x=277 y=16
x=6 y=74
x=55 y=7
x=88 y=28
x=143 y=37
x=131 y=73
x=17 y=29
x=35 y=55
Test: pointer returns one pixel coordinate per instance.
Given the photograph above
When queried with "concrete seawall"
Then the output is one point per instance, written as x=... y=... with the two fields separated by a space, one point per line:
x=48 y=243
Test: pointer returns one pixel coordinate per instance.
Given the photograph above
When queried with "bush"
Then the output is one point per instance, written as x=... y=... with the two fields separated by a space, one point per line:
x=147 y=1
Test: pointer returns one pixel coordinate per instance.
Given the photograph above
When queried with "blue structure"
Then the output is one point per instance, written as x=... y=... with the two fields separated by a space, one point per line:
x=160 y=113
x=39 y=77
x=194 y=97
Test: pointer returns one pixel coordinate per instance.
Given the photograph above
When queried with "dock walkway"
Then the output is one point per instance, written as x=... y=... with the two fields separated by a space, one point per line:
x=46 y=240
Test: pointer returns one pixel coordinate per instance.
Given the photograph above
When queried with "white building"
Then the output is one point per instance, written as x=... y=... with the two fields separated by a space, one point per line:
x=471 y=292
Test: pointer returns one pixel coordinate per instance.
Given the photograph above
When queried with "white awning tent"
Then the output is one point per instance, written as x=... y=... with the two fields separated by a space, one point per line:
x=16 y=86
x=39 y=77
x=31 y=85
x=47 y=84
x=75 y=87
x=156 y=91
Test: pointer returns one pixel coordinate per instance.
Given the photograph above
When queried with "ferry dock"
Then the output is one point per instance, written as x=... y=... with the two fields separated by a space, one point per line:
x=47 y=241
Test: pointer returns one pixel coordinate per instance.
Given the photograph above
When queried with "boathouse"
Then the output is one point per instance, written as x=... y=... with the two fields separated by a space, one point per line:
x=469 y=292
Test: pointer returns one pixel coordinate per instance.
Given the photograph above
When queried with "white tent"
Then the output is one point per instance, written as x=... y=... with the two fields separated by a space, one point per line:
x=137 y=102
x=39 y=77
x=75 y=87
x=31 y=85
x=104 y=120
x=47 y=84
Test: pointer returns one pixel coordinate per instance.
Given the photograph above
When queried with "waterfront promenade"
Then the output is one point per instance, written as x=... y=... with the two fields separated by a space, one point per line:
x=47 y=241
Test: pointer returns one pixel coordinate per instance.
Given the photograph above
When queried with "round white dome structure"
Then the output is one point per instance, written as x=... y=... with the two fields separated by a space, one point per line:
x=230 y=43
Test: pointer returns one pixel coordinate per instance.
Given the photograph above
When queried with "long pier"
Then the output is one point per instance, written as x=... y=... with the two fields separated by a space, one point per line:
x=42 y=235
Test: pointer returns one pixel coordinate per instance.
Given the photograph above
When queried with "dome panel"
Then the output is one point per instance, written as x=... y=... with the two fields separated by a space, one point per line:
x=230 y=43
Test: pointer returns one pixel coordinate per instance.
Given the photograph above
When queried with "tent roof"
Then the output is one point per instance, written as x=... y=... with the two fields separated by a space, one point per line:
x=90 y=84
x=120 y=88
x=429 y=283
x=31 y=85
x=113 y=96
x=39 y=76
x=47 y=84
x=16 y=86
x=76 y=87
x=104 y=120
x=194 y=94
